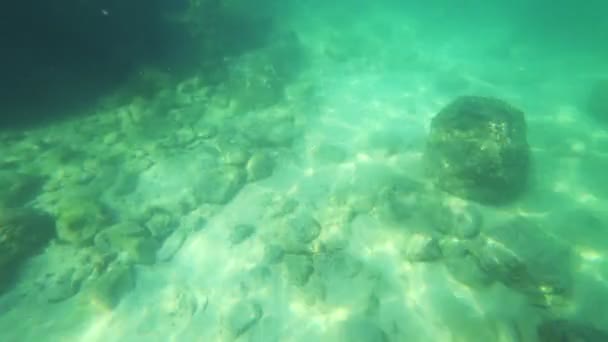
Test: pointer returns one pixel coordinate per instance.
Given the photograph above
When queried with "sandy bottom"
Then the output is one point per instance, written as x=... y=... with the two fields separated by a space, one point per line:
x=369 y=126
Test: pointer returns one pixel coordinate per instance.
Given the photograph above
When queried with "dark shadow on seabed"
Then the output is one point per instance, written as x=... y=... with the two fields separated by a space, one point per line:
x=59 y=60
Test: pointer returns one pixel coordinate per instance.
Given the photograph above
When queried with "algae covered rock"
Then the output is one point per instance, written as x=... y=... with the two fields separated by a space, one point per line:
x=465 y=269
x=400 y=198
x=422 y=248
x=463 y=221
x=23 y=232
x=129 y=239
x=523 y=256
x=478 y=150
x=141 y=251
x=160 y=222
x=79 y=219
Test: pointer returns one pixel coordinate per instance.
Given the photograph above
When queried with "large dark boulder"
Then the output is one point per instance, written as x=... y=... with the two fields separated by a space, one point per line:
x=477 y=149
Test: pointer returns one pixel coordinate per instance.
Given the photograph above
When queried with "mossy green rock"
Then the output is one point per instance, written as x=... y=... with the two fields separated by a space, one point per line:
x=478 y=150
x=112 y=238
x=129 y=239
x=78 y=220
x=141 y=250
x=522 y=255
x=159 y=222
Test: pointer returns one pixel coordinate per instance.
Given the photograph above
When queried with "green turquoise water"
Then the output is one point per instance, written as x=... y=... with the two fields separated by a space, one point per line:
x=259 y=171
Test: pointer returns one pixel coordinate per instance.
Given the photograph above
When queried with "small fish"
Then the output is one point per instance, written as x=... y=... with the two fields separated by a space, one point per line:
x=105 y=12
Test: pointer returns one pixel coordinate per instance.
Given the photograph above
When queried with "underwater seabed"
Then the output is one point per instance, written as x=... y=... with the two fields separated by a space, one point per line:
x=310 y=217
